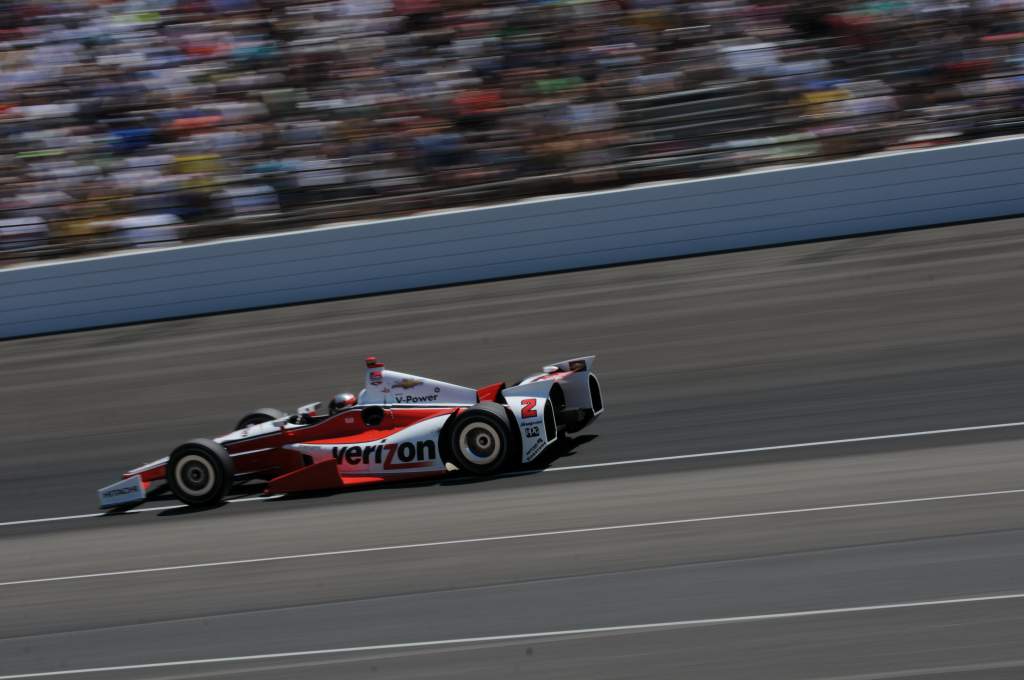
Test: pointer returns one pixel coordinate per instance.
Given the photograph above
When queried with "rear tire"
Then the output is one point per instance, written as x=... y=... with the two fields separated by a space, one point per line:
x=481 y=441
x=200 y=473
x=262 y=415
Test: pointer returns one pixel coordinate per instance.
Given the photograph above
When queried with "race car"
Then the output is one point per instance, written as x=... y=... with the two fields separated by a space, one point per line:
x=400 y=426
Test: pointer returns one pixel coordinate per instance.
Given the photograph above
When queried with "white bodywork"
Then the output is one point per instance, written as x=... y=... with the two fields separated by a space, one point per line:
x=529 y=406
x=268 y=427
x=125 y=492
x=386 y=387
x=575 y=386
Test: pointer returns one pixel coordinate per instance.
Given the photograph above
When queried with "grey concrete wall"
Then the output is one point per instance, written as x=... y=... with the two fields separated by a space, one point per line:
x=969 y=182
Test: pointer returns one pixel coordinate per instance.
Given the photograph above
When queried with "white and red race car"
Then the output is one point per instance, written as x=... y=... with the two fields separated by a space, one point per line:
x=401 y=426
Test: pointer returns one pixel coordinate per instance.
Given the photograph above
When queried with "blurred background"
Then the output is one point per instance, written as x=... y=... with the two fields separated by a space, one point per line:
x=137 y=122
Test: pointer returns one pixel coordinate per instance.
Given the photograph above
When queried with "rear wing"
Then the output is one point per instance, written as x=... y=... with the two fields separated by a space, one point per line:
x=565 y=397
x=580 y=386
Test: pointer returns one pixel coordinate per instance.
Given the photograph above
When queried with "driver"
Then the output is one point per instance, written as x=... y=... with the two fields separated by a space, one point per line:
x=341 y=401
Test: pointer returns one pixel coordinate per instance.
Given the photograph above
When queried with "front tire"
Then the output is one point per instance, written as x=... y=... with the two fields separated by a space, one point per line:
x=200 y=473
x=262 y=415
x=481 y=440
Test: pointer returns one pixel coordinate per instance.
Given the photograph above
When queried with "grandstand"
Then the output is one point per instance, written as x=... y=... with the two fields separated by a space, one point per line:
x=135 y=122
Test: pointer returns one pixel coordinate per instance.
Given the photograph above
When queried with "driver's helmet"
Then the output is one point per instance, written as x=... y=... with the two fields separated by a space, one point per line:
x=342 y=401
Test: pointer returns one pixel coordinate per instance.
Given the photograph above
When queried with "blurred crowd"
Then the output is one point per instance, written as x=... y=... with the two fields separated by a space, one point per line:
x=131 y=122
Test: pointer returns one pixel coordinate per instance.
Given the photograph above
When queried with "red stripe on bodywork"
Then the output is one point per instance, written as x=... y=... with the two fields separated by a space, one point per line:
x=151 y=475
x=400 y=420
x=552 y=376
x=490 y=392
x=352 y=480
x=322 y=475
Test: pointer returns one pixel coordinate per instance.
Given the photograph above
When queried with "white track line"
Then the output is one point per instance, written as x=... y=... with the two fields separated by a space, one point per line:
x=930 y=671
x=630 y=628
x=588 y=466
x=512 y=537
x=154 y=508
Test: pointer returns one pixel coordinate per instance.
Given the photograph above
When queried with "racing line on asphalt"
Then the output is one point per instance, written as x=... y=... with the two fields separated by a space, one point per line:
x=589 y=466
x=604 y=630
x=512 y=537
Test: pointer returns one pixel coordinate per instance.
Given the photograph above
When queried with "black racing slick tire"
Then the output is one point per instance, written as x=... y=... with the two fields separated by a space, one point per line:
x=261 y=415
x=200 y=473
x=481 y=440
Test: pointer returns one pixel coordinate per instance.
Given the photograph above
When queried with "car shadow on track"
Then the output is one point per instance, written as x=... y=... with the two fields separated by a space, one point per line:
x=241 y=491
x=563 y=448
x=189 y=510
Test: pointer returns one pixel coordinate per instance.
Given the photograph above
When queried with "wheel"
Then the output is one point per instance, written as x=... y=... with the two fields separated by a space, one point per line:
x=481 y=440
x=263 y=415
x=200 y=472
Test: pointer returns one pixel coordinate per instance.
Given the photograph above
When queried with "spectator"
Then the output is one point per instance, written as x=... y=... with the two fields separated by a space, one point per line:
x=128 y=122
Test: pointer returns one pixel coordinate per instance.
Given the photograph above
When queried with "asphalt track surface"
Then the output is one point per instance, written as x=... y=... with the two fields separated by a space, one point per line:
x=881 y=558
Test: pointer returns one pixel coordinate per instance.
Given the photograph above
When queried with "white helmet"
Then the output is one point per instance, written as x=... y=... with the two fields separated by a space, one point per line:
x=342 y=401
